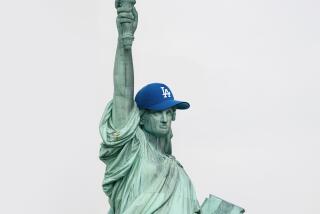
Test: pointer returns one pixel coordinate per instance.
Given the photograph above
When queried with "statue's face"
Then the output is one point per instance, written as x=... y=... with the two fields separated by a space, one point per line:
x=157 y=123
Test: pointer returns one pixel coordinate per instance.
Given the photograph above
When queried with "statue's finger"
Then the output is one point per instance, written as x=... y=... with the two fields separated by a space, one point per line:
x=124 y=20
x=126 y=15
x=117 y=4
x=124 y=9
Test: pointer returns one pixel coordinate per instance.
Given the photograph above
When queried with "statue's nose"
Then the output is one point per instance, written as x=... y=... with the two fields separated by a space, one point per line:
x=164 y=117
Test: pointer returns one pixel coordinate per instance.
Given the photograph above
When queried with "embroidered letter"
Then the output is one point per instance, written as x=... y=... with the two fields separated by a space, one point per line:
x=165 y=92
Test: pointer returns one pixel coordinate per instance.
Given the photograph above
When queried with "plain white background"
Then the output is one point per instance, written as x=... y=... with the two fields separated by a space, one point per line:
x=250 y=70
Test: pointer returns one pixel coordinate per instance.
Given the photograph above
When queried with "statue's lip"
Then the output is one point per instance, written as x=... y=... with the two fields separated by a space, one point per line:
x=164 y=127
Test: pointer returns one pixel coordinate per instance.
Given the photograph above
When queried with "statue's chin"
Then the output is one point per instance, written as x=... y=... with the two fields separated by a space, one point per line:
x=157 y=133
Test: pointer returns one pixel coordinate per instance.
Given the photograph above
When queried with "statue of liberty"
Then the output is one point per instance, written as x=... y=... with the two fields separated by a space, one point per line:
x=142 y=176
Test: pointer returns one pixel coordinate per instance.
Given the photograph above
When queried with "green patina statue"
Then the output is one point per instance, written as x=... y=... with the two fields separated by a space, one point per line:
x=142 y=176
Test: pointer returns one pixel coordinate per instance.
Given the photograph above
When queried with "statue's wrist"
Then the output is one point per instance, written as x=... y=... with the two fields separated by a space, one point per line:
x=122 y=43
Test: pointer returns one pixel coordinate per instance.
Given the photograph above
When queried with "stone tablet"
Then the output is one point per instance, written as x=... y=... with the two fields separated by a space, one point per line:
x=215 y=205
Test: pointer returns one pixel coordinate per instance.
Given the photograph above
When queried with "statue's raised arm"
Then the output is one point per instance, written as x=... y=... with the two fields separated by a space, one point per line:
x=123 y=74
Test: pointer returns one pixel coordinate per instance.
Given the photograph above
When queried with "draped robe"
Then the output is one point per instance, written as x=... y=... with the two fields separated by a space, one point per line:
x=139 y=178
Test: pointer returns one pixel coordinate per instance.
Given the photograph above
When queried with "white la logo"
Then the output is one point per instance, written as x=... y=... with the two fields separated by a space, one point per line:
x=165 y=92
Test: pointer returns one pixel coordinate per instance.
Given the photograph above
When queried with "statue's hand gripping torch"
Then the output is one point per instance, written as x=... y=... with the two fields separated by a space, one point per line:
x=127 y=28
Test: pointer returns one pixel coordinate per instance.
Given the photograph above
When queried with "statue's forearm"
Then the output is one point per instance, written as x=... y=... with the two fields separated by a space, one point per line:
x=123 y=80
x=123 y=73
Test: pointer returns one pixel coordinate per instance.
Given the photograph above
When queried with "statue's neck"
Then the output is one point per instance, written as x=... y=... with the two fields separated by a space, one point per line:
x=161 y=144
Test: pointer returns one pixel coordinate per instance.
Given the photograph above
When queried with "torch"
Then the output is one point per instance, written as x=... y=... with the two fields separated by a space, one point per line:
x=127 y=34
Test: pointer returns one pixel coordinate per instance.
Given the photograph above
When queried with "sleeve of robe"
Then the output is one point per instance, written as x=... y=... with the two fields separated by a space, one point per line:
x=119 y=148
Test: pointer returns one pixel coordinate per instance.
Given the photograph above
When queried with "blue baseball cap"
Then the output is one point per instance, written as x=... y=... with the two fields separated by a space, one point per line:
x=158 y=97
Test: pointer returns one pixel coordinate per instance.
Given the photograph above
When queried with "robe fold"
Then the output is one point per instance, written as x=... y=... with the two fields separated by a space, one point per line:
x=140 y=179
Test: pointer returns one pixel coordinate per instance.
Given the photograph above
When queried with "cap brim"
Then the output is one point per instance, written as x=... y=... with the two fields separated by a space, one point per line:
x=169 y=104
